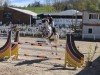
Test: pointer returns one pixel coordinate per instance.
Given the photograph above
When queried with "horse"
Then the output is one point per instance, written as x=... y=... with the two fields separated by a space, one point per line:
x=52 y=37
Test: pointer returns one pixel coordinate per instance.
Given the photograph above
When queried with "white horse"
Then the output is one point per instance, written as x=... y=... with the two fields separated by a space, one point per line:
x=47 y=32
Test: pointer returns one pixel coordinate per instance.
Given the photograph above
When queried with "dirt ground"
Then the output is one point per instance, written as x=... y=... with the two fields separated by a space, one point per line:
x=29 y=64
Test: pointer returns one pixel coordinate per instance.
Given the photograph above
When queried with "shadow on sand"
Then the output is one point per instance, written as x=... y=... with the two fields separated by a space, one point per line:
x=60 y=67
x=29 y=62
x=94 y=69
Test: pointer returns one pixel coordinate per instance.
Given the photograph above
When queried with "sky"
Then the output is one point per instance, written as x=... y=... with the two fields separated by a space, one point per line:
x=24 y=2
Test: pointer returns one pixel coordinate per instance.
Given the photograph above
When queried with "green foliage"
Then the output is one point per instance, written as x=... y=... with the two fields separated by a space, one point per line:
x=43 y=9
x=90 y=5
x=91 y=52
x=60 y=6
x=1 y=8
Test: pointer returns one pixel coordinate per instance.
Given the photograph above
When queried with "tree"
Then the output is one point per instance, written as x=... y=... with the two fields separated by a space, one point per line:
x=35 y=4
x=6 y=3
x=90 y=5
x=29 y=5
x=60 y=6
x=1 y=2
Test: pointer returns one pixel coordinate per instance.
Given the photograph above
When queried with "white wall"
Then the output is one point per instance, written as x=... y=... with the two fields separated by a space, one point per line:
x=95 y=32
x=61 y=21
x=23 y=29
x=90 y=21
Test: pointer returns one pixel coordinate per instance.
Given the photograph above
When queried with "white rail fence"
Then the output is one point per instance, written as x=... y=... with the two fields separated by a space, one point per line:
x=91 y=36
x=23 y=30
x=28 y=30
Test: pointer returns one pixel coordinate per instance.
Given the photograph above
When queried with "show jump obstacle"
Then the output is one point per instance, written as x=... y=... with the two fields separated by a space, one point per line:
x=72 y=56
x=15 y=46
x=10 y=49
x=5 y=50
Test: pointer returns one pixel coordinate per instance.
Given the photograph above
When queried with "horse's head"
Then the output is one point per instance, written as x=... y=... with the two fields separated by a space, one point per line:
x=46 y=28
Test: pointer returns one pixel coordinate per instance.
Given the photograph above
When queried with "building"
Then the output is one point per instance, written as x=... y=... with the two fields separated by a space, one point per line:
x=17 y=16
x=64 y=18
x=91 y=25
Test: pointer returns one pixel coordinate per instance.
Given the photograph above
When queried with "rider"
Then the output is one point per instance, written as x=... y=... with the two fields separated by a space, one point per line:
x=51 y=23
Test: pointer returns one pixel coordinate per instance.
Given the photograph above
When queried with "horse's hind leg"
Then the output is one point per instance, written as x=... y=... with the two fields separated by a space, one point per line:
x=56 y=50
x=55 y=47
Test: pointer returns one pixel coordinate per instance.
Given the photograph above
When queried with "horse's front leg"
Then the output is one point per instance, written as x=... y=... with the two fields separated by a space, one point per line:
x=51 y=48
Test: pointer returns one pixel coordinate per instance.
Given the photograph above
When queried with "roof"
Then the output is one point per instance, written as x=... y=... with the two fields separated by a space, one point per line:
x=24 y=11
x=70 y=12
x=92 y=11
x=67 y=12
